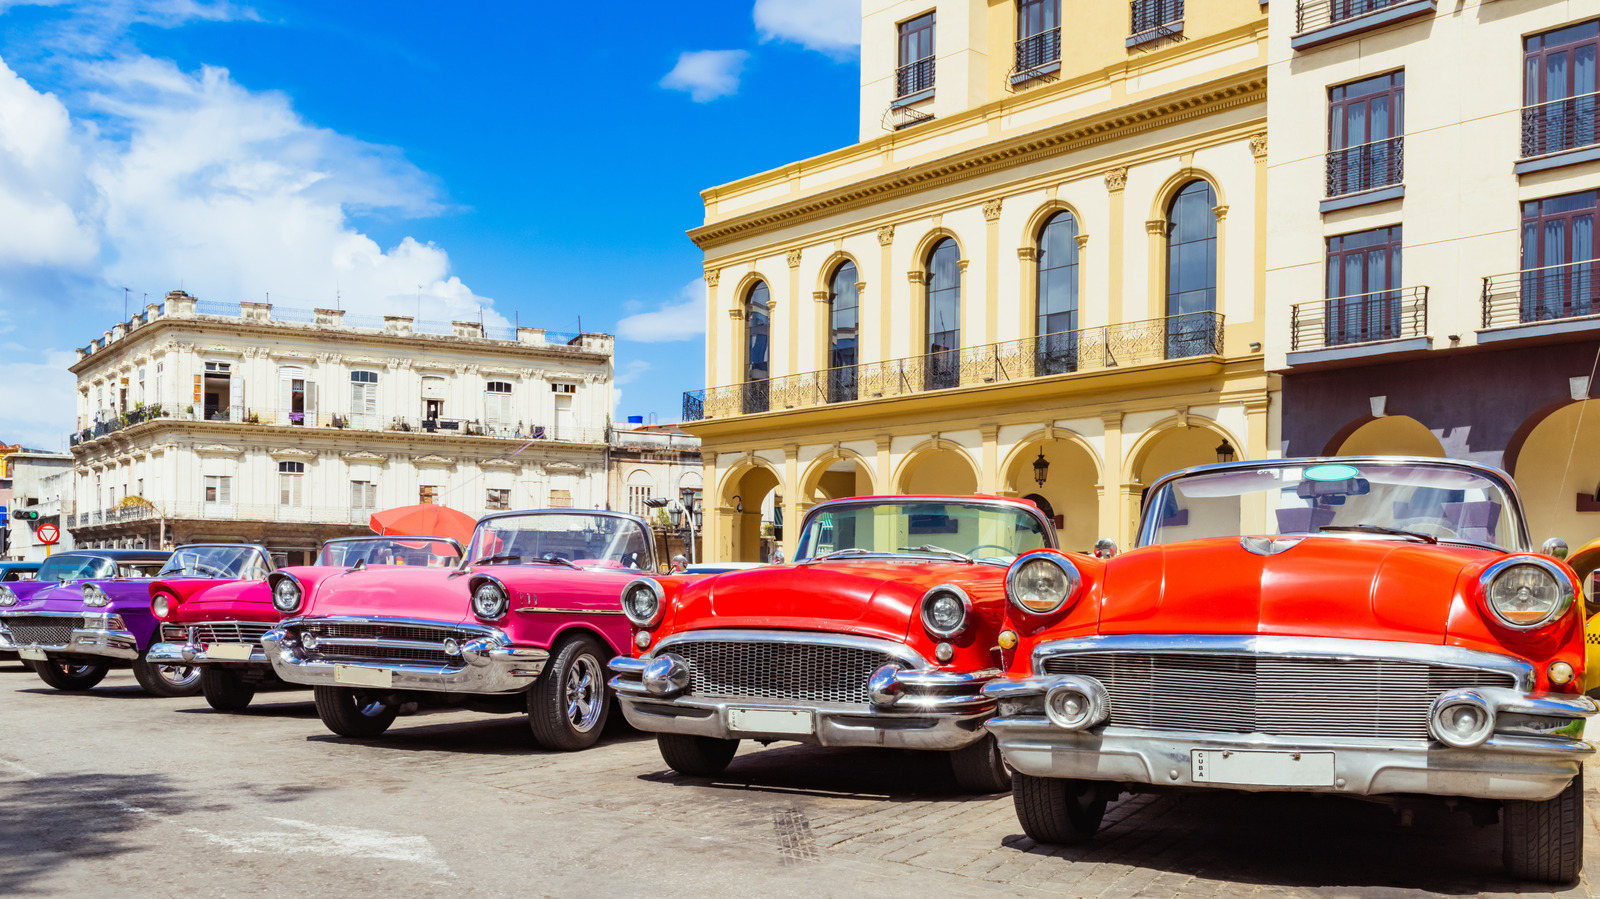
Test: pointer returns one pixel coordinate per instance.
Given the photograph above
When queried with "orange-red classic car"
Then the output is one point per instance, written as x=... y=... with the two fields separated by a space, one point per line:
x=1374 y=627
x=881 y=633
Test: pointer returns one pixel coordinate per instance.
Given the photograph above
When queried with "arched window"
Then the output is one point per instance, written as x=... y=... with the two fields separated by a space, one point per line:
x=944 y=315
x=1191 y=271
x=1058 y=296
x=757 y=349
x=844 y=331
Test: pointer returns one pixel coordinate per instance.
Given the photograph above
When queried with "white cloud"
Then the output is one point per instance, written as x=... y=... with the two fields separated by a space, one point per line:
x=706 y=75
x=828 y=26
x=39 y=390
x=680 y=319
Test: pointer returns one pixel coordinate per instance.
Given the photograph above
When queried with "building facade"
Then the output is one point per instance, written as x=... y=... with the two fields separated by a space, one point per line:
x=41 y=483
x=1038 y=273
x=1435 y=174
x=201 y=421
x=656 y=462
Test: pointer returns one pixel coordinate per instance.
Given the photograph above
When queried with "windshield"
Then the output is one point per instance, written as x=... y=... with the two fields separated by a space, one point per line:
x=989 y=531
x=426 y=551
x=222 y=562
x=1448 y=503
x=588 y=541
x=63 y=568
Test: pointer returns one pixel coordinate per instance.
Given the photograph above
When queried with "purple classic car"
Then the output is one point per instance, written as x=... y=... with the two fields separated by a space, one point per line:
x=88 y=612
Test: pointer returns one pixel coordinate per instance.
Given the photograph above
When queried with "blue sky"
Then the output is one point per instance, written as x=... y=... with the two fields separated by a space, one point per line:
x=541 y=163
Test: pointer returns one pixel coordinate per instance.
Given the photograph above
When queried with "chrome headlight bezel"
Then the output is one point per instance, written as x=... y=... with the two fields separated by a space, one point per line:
x=490 y=599
x=161 y=606
x=658 y=602
x=7 y=597
x=1563 y=586
x=1074 y=581
x=932 y=596
x=287 y=592
x=94 y=597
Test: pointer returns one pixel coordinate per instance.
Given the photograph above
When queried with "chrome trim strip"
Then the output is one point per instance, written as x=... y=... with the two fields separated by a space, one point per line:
x=481 y=630
x=817 y=638
x=1305 y=647
x=43 y=614
x=530 y=610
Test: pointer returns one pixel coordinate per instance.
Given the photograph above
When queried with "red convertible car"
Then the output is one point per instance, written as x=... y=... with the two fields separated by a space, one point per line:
x=1373 y=627
x=215 y=605
x=882 y=633
x=522 y=624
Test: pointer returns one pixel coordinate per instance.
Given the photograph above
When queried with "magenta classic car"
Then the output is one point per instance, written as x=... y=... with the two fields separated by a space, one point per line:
x=216 y=624
x=89 y=612
x=525 y=623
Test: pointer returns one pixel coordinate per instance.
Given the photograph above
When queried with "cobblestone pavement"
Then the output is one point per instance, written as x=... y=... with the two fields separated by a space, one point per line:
x=113 y=793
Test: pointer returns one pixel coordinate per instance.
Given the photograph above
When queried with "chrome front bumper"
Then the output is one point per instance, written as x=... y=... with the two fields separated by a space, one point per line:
x=1518 y=761
x=102 y=642
x=490 y=664
x=196 y=654
x=911 y=709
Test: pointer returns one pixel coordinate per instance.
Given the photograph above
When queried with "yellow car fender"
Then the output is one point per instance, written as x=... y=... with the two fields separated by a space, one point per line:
x=1585 y=561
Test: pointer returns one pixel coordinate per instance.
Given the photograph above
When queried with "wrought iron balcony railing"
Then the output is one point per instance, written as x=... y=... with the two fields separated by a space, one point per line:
x=1310 y=15
x=449 y=427
x=1359 y=318
x=1152 y=15
x=1560 y=125
x=1037 y=50
x=914 y=77
x=1110 y=346
x=1546 y=294
x=1367 y=166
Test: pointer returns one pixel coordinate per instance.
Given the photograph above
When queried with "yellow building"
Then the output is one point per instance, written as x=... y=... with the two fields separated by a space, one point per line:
x=1045 y=248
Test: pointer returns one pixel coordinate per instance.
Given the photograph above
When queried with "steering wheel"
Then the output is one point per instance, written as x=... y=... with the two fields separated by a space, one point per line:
x=1431 y=525
x=1004 y=549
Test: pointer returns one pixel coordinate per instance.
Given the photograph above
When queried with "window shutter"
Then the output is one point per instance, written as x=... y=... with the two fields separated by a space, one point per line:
x=285 y=396
x=235 y=397
x=225 y=490
x=199 y=390
x=355 y=495
x=283 y=489
x=311 y=402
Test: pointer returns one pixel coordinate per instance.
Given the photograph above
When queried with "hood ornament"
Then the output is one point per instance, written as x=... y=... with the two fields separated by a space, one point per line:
x=1269 y=546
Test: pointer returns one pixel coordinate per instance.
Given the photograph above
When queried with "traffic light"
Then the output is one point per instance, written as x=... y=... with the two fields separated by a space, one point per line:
x=25 y=514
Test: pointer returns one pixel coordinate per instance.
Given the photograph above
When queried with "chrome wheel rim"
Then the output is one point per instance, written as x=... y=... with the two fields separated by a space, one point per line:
x=370 y=708
x=178 y=675
x=584 y=693
x=71 y=670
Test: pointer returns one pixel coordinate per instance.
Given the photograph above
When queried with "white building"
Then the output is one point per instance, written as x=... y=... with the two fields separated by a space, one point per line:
x=40 y=483
x=208 y=421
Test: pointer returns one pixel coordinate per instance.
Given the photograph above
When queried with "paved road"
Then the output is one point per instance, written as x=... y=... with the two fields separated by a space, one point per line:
x=113 y=793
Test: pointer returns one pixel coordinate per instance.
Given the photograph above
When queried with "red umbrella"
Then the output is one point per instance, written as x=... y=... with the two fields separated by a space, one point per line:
x=424 y=520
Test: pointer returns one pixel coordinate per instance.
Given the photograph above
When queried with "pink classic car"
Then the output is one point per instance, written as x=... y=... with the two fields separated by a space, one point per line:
x=214 y=622
x=525 y=623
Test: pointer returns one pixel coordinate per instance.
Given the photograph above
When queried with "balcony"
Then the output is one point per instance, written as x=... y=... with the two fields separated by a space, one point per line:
x=302 y=514
x=1559 y=132
x=1363 y=324
x=1553 y=299
x=914 y=80
x=1366 y=173
x=1154 y=22
x=1038 y=56
x=1318 y=22
x=451 y=427
x=1190 y=335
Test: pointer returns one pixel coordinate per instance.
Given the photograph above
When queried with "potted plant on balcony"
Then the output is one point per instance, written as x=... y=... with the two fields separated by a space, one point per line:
x=189 y=411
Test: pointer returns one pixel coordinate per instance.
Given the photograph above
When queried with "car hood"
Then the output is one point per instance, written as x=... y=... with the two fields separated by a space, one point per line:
x=124 y=595
x=392 y=592
x=1357 y=588
x=876 y=598
x=214 y=600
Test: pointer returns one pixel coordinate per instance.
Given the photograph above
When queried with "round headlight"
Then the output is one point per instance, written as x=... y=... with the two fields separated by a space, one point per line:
x=944 y=610
x=489 y=601
x=642 y=602
x=1042 y=583
x=161 y=606
x=7 y=598
x=1526 y=593
x=94 y=596
x=286 y=594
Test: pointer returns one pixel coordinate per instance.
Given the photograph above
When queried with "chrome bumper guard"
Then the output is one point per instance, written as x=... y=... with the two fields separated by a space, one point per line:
x=1533 y=749
x=103 y=642
x=490 y=664
x=910 y=709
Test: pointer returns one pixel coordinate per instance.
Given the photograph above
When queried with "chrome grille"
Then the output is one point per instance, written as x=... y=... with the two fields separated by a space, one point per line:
x=1274 y=695
x=44 y=630
x=807 y=672
x=217 y=632
x=386 y=631
x=384 y=643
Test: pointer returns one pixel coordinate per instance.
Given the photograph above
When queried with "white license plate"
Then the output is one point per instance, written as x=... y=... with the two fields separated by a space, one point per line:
x=1262 y=769
x=769 y=721
x=229 y=651
x=363 y=677
x=33 y=654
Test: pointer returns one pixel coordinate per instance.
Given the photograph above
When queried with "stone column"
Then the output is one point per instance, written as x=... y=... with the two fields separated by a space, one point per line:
x=991 y=274
x=990 y=478
x=792 y=506
x=885 y=473
x=713 y=379
x=885 y=295
x=1113 y=493
x=1116 y=181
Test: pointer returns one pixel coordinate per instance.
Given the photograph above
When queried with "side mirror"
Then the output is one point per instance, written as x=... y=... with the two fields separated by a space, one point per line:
x=1555 y=547
x=1105 y=548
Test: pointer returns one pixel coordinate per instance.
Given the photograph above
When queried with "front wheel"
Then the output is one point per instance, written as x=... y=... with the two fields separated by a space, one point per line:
x=979 y=768
x=567 y=705
x=226 y=691
x=696 y=756
x=1544 y=840
x=352 y=713
x=1058 y=811
x=71 y=676
x=166 y=680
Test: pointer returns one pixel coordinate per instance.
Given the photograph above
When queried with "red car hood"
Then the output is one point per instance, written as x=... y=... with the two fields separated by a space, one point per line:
x=392 y=592
x=875 y=598
x=1356 y=588
x=211 y=600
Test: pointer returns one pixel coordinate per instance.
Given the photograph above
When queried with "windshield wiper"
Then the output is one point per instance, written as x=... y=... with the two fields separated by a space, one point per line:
x=930 y=548
x=504 y=557
x=847 y=551
x=551 y=559
x=1378 y=529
